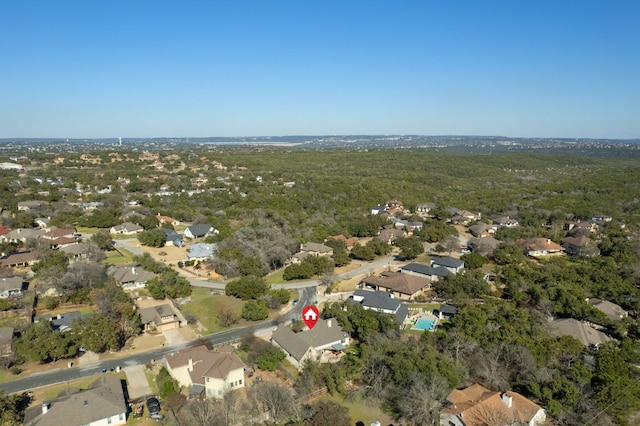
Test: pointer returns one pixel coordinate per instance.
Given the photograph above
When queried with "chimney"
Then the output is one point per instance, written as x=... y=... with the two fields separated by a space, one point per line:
x=329 y=323
x=508 y=400
x=190 y=368
x=548 y=240
x=133 y=270
x=45 y=407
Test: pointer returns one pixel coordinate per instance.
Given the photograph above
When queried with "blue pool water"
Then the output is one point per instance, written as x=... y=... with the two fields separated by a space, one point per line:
x=425 y=324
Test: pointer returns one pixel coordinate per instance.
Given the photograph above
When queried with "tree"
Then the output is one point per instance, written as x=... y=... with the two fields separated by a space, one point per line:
x=274 y=398
x=249 y=287
x=167 y=385
x=361 y=252
x=153 y=238
x=255 y=310
x=421 y=402
x=410 y=247
x=170 y=284
x=450 y=243
x=12 y=408
x=340 y=253
x=102 y=240
x=270 y=357
x=98 y=333
x=226 y=316
x=474 y=260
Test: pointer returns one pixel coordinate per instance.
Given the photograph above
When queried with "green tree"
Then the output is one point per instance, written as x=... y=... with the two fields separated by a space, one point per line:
x=410 y=247
x=255 y=310
x=246 y=288
x=98 y=333
x=270 y=357
x=12 y=408
x=473 y=260
x=153 y=238
x=167 y=385
x=102 y=240
x=168 y=283
x=362 y=252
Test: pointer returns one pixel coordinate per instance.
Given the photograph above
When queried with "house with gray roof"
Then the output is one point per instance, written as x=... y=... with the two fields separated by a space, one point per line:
x=325 y=342
x=200 y=231
x=451 y=263
x=611 y=310
x=425 y=271
x=11 y=287
x=126 y=228
x=77 y=251
x=130 y=277
x=103 y=403
x=579 y=330
x=173 y=238
x=20 y=235
x=201 y=251
x=381 y=301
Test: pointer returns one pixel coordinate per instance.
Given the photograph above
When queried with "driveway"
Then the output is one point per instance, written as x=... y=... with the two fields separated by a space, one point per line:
x=137 y=383
x=173 y=337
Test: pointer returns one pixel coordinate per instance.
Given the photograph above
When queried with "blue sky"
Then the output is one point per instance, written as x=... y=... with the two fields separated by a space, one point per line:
x=83 y=69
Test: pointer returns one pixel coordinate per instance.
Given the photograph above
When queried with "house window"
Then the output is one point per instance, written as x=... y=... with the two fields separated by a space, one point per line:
x=120 y=416
x=240 y=382
x=208 y=379
x=109 y=420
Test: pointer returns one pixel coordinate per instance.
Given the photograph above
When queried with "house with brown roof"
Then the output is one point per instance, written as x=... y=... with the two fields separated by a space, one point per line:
x=167 y=219
x=389 y=235
x=211 y=372
x=311 y=249
x=479 y=406
x=535 y=247
x=325 y=342
x=161 y=318
x=19 y=259
x=130 y=277
x=103 y=403
x=20 y=235
x=580 y=246
x=403 y=286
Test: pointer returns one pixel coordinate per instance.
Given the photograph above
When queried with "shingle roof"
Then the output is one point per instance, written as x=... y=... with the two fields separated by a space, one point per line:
x=323 y=333
x=206 y=363
x=578 y=330
x=10 y=283
x=447 y=262
x=103 y=399
x=401 y=283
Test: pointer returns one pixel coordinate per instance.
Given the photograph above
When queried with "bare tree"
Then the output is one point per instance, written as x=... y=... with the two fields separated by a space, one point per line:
x=277 y=400
x=226 y=316
x=199 y=412
x=421 y=402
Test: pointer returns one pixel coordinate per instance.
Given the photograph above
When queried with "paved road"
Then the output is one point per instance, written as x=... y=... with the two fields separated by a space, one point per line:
x=307 y=296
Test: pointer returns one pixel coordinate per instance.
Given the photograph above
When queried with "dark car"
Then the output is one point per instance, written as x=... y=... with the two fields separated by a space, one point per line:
x=153 y=405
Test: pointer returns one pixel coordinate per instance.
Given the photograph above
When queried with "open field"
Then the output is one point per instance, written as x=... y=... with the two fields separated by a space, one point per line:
x=361 y=411
x=204 y=304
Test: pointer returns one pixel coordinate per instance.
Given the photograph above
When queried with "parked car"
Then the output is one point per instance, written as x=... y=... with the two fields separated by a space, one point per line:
x=153 y=406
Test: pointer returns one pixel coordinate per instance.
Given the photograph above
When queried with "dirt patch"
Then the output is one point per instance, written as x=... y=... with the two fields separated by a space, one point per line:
x=170 y=254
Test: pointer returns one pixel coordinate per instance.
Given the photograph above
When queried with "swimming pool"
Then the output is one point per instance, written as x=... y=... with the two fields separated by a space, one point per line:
x=425 y=323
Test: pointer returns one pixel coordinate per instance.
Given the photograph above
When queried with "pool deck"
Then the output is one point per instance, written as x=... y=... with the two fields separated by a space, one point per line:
x=413 y=319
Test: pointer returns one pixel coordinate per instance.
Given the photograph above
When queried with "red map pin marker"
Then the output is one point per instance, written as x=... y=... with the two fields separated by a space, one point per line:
x=310 y=316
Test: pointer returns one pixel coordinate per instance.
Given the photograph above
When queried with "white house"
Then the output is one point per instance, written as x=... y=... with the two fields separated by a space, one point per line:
x=202 y=370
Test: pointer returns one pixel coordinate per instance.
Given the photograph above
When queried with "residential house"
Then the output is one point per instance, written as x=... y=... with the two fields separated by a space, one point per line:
x=540 y=247
x=381 y=301
x=200 y=231
x=481 y=230
x=60 y=237
x=611 y=310
x=325 y=342
x=166 y=219
x=349 y=242
x=403 y=286
x=130 y=277
x=506 y=221
x=201 y=251
x=64 y=322
x=379 y=209
x=211 y=372
x=11 y=287
x=446 y=311
x=103 y=403
x=425 y=208
x=580 y=246
x=389 y=235
x=126 y=228
x=424 y=271
x=410 y=226
x=579 y=330
x=20 y=235
x=79 y=251
x=29 y=205
x=484 y=246
x=42 y=222
x=173 y=238
x=581 y=224
x=161 y=318
x=4 y=230
x=601 y=218
x=311 y=249
x=465 y=217
x=6 y=342
x=19 y=259
x=450 y=263
x=477 y=406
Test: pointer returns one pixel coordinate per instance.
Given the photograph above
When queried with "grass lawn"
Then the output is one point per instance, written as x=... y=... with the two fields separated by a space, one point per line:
x=275 y=277
x=204 y=305
x=361 y=411
x=425 y=306
x=118 y=257
x=83 y=230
